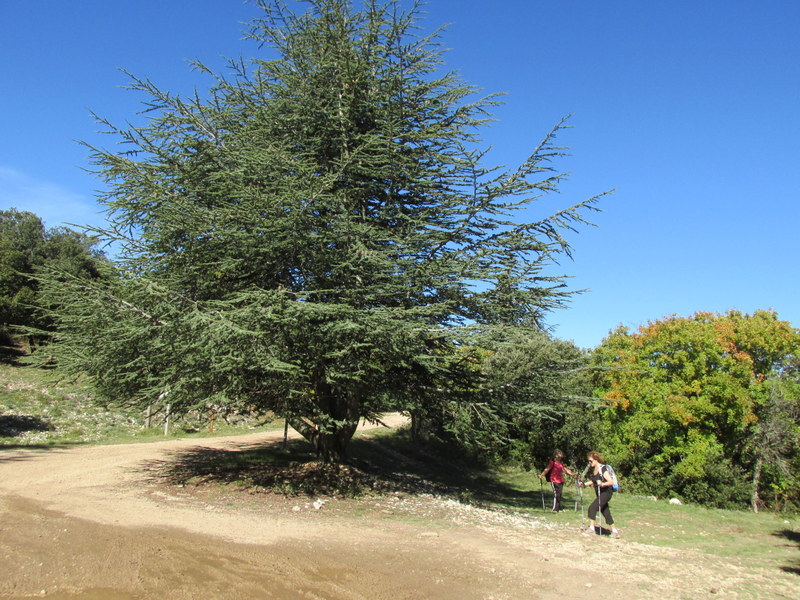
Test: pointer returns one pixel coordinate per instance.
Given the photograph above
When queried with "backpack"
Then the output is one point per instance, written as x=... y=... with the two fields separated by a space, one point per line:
x=610 y=470
x=549 y=471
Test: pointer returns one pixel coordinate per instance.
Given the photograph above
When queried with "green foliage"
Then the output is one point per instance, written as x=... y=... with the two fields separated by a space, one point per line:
x=539 y=381
x=503 y=398
x=775 y=440
x=26 y=247
x=689 y=403
x=718 y=483
x=316 y=236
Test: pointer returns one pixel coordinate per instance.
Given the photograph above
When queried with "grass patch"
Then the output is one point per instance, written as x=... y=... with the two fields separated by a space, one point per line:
x=764 y=540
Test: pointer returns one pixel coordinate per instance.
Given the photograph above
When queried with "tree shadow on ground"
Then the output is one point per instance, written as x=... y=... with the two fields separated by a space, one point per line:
x=794 y=538
x=7 y=453
x=10 y=355
x=384 y=465
x=15 y=425
x=429 y=470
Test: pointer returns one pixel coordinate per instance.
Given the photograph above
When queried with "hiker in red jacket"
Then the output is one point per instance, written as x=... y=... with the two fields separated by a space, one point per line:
x=554 y=472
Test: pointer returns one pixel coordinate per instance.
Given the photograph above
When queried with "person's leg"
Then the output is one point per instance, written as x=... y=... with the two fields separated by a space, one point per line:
x=592 y=512
x=557 y=490
x=605 y=498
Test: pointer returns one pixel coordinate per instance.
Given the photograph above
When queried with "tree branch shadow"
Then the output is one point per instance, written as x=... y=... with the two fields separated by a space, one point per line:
x=794 y=538
x=11 y=352
x=15 y=425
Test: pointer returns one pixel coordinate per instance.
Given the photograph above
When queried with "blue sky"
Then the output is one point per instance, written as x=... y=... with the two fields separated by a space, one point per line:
x=689 y=110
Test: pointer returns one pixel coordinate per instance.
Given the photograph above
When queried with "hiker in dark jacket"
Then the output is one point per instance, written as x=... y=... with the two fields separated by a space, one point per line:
x=599 y=478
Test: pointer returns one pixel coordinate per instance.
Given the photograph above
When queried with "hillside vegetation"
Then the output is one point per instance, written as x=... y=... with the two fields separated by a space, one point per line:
x=39 y=406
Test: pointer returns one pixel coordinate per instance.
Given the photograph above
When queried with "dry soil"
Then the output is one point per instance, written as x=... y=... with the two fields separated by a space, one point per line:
x=95 y=523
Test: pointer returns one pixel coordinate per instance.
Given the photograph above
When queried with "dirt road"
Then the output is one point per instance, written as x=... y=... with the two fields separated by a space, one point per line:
x=91 y=523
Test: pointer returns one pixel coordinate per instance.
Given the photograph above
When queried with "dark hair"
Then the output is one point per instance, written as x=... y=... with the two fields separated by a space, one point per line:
x=596 y=456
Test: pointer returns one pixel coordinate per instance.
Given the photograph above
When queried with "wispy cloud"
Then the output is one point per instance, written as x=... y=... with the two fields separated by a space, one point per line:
x=53 y=203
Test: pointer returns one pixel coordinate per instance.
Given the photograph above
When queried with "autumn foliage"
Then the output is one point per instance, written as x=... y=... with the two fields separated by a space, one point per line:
x=686 y=399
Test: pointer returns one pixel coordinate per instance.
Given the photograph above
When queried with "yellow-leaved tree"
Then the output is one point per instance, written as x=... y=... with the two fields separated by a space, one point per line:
x=704 y=407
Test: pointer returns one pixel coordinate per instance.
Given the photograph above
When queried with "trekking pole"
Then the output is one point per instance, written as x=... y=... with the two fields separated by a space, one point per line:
x=541 y=492
x=599 y=509
x=580 y=482
x=576 y=495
